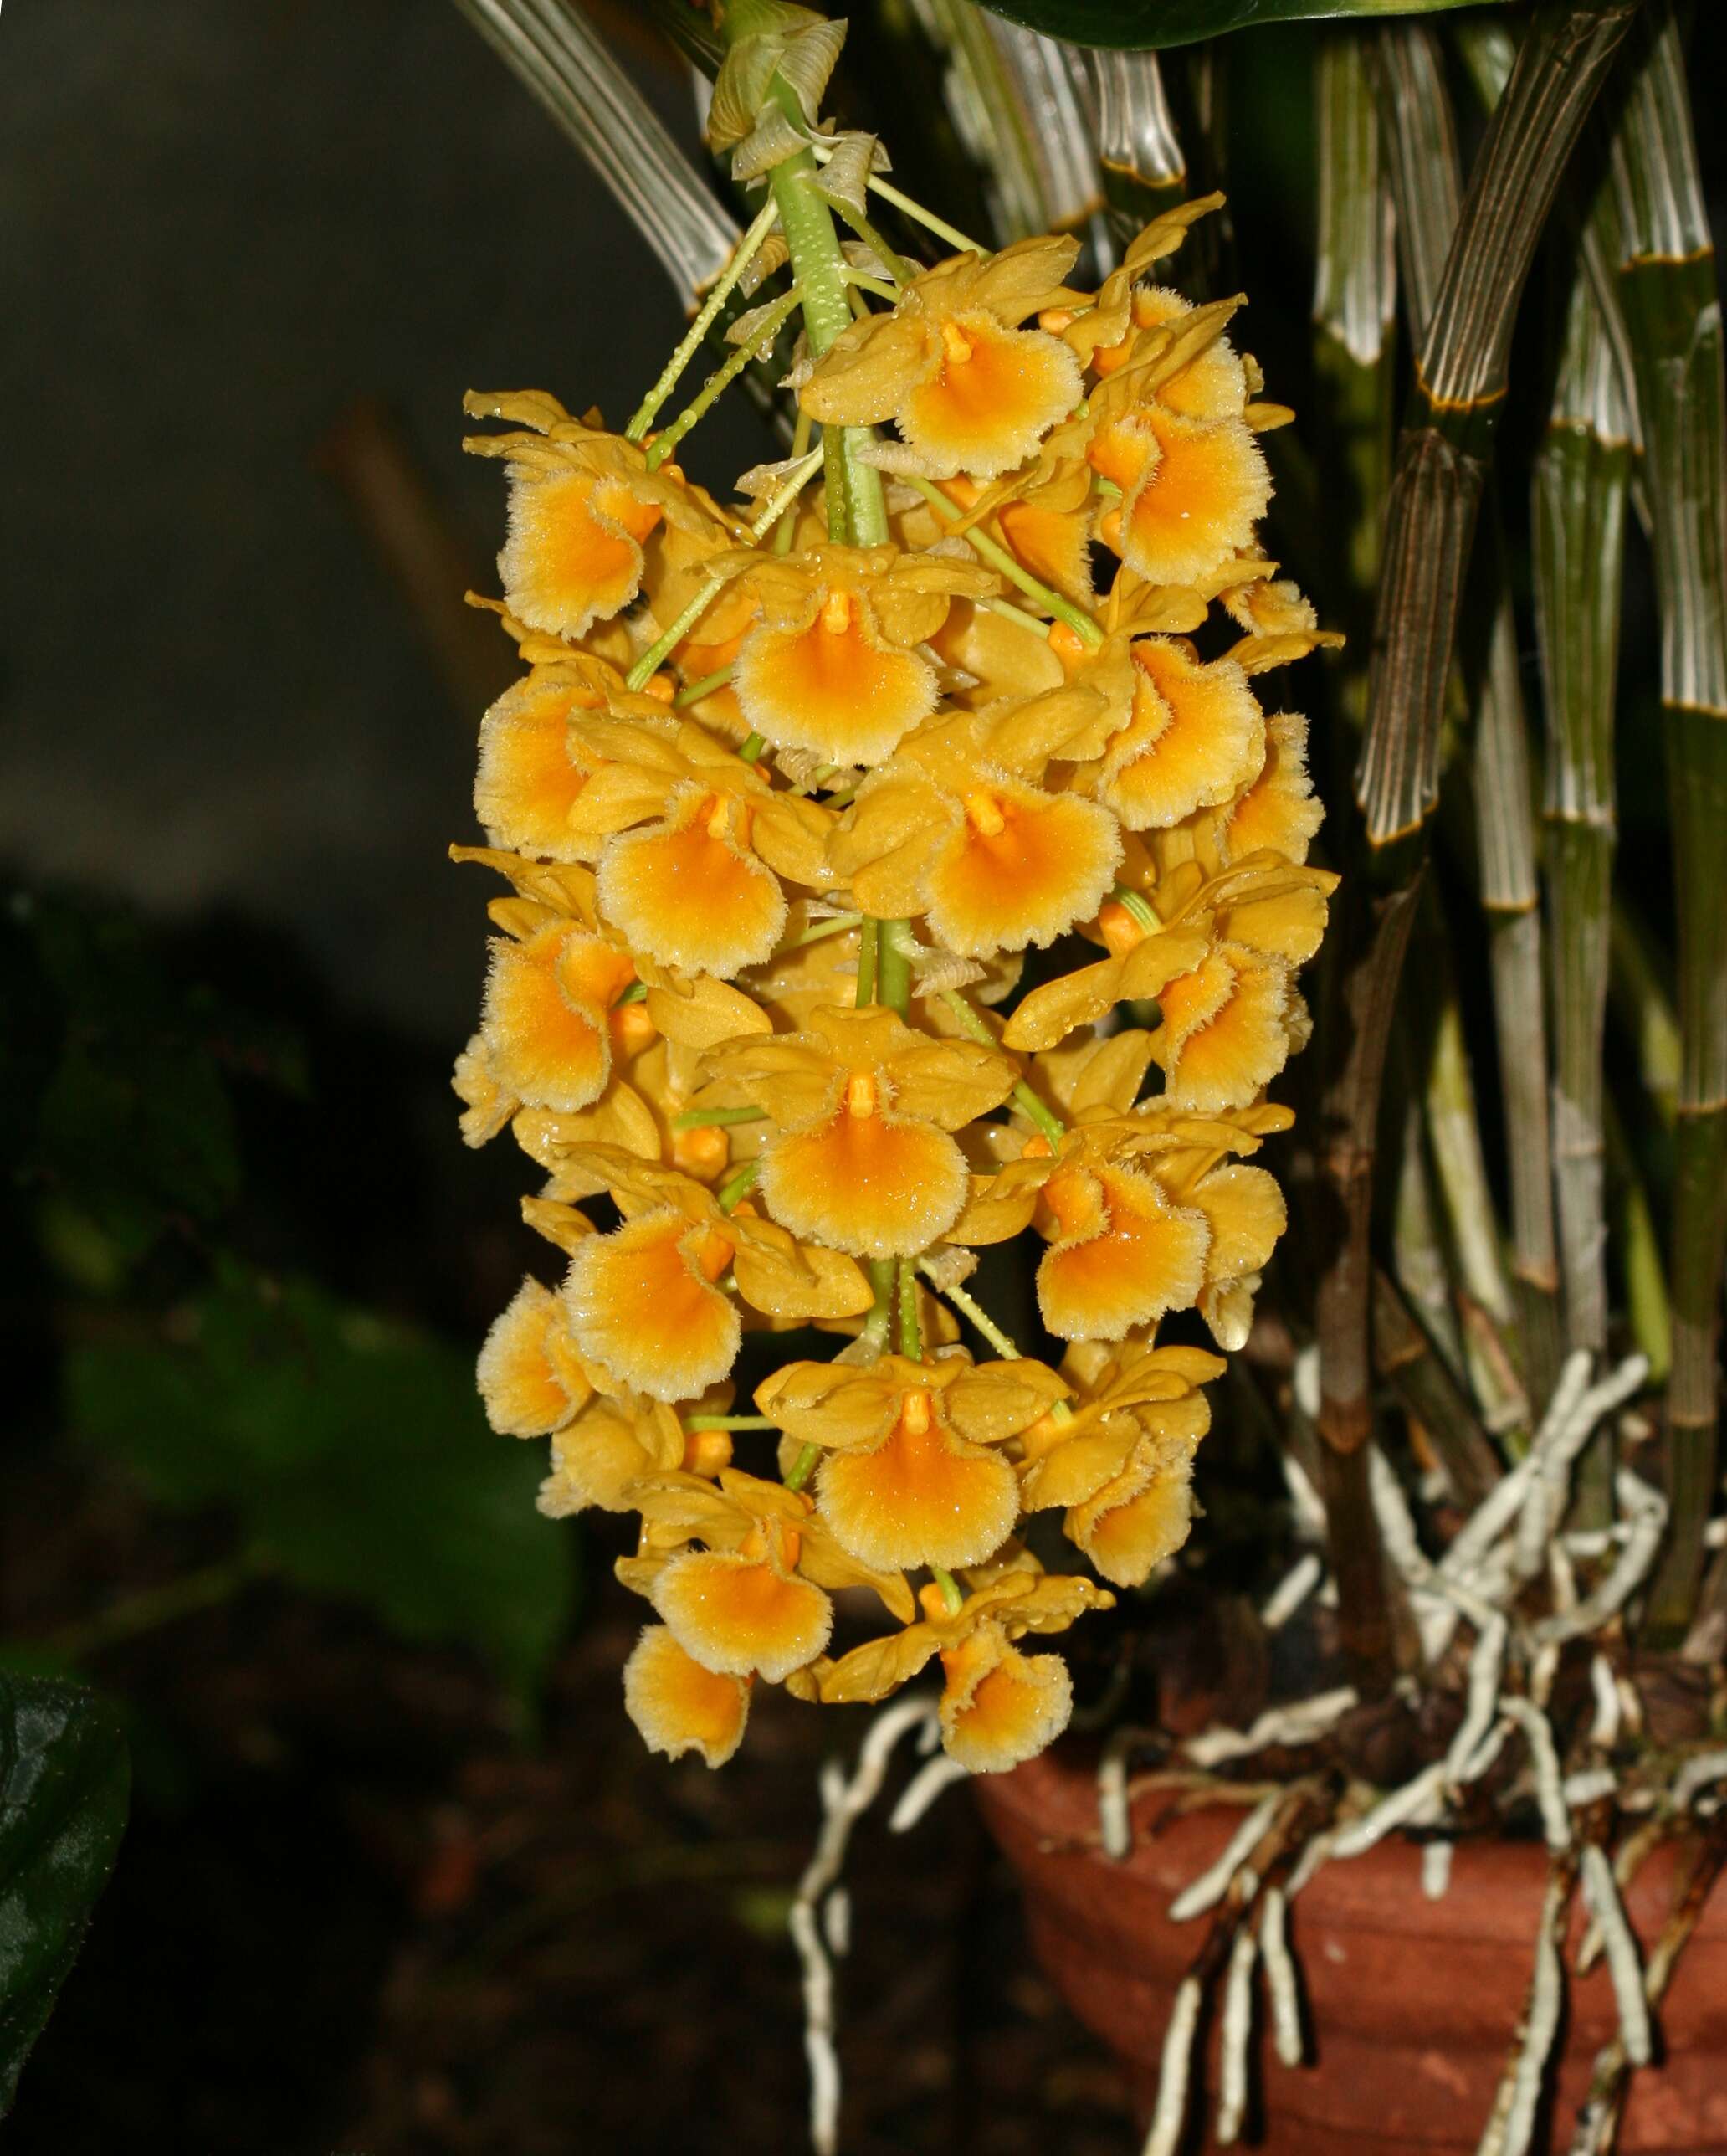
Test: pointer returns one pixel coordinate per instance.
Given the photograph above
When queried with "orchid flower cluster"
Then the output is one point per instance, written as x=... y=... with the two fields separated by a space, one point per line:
x=784 y=797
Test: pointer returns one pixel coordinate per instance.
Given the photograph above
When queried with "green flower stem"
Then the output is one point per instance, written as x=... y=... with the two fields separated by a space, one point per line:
x=705 y=687
x=950 y=1590
x=742 y=255
x=647 y=664
x=968 y=1306
x=868 y=952
x=717 y=383
x=911 y=1331
x=878 y=1324
x=702 y=1119
x=1024 y=1099
x=998 y=557
x=899 y=269
x=752 y=749
x=803 y=1467
x=730 y=1422
x=635 y=993
x=785 y=530
x=808 y=462
x=893 y=978
x=839 y=926
x=732 y=1193
x=926 y=217
x=1009 y=612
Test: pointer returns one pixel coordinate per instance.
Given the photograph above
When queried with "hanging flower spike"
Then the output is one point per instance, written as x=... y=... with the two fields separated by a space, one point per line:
x=1122 y=1464
x=968 y=389
x=831 y=665
x=531 y=767
x=861 y=1158
x=679 y=1707
x=692 y=845
x=955 y=830
x=530 y=1376
x=581 y=501
x=910 y=1474
x=644 y=1301
x=998 y=1707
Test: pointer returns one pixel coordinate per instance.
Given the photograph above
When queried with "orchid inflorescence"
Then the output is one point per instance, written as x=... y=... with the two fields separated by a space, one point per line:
x=784 y=797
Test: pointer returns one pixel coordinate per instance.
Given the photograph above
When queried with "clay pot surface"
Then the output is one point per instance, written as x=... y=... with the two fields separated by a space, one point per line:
x=1410 y=2004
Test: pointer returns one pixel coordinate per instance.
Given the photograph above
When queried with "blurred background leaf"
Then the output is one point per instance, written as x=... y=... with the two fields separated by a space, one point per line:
x=353 y=1453
x=63 y=1806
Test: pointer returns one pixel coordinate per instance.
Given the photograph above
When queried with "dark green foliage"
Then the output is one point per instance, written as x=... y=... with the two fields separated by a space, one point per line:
x=352 y=1451
x=63 y=1781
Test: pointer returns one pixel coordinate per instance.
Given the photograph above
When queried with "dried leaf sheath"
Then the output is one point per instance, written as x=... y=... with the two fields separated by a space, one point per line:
x=1668 y=292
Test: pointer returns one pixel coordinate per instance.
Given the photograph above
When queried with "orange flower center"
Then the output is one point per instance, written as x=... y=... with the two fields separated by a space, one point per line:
x=837 y=612
x=860 y=1095
x=956 y=343
x=915 y=1413
x=1121 y=932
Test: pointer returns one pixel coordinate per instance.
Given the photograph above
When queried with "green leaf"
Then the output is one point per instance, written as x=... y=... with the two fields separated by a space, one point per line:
x=1140 y=25
x=356 y=1454
x=63 y=1781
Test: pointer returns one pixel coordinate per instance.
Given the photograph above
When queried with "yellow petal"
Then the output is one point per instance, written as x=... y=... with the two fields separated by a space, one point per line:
x=1023 y=868
x=528 y=780
x=740 y=1616
x=486 y=1106
x=834 y=686
x=989 y=398
x=1143 y=1515
x=1279 y=810
x=1196 y=500
x=690 y=892
x=1124 y=1253
x=574 y=553
x=999 y=1707
x=599 y=1458
x=1196 y=737
x=530 y=1379
x=1226 y=1031
x=873 y=1184
x=546 y=1039
x=643 y=1305
x=921 y=1497
x=677 y=1706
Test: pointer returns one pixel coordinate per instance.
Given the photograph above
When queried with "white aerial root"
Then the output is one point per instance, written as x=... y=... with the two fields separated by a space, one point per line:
x=1546 y=1998
x=1647 y=1508
x=1299 y=1723
x=845 y=1801
x=1544 y=1758
x=1604 y=1730
x=1212 y=1884
x=1280 y=1977
x=1571 y=1417
x=1694 y=1777
x=1436 y=1869
x=1418 y=1799
x=1163 y=2137
x=1291 y=1591
x=1624 y=1965
x=922 y=1790
x=1486 y=1667
x=1237 y=2032
x=1115 y=1827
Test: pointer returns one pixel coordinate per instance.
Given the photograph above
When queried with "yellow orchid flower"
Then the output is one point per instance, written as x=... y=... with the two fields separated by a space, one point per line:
x=1147 y=1212
x=968 y=390
x=953 y=829
x=531 y=1379
x=581 y=501
x=616 y=1442
x=912 y=1473
x=752 y=1601
x=830 y=663
x=861 y=1158
x=998 y=1707
x=677 y=1706
x=644 y=1301
x=531 y=766
x=692 y=843
x=1121 y=1465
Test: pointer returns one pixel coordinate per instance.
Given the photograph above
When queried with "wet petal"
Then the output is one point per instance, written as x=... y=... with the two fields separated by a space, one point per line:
x=1023 y=868
x=643 y=1305
x=1195 y=739
x=1125 y=1255
x=874 y=1185
x=740 y=1616
x=990 y=399
x=573 y=556
x=921 y=1497
x=1227 y=1030
x=834 y=687
x=690 y=892
x=1000 y=1707
x=551 y=1048
x=530 y=1379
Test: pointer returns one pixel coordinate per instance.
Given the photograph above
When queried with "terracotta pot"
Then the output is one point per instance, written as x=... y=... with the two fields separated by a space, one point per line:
x=1410 y=2002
